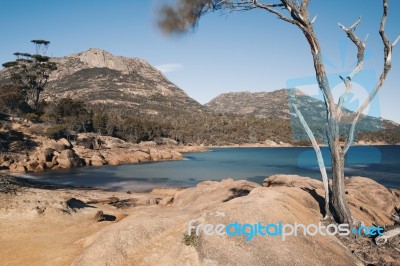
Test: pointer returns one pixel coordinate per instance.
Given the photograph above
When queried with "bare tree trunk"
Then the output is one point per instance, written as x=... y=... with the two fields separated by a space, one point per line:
x=339 y=201
x=300 y=17
x=297 y=14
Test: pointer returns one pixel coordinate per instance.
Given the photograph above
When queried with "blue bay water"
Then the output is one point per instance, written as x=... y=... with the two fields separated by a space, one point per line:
x=381 y=163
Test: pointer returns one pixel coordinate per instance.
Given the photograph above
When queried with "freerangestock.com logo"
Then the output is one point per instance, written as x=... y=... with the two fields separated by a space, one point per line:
x=249 y=231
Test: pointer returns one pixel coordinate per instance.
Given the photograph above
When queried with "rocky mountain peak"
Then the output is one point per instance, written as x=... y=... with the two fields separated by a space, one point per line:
x=101 y=78
x=98 y=58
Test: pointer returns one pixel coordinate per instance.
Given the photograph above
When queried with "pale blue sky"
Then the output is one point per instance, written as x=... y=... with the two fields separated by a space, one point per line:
x=245 y=51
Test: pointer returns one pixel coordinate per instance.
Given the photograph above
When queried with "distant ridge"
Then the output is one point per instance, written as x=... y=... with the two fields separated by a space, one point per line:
x=275 y=105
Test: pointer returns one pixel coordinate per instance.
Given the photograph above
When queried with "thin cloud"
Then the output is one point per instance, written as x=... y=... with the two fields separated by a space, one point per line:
x=166 y=68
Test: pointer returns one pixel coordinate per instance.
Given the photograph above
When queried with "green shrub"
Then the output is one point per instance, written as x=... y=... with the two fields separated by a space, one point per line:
x=57 y=132
x=191 y=240
x=32 y=117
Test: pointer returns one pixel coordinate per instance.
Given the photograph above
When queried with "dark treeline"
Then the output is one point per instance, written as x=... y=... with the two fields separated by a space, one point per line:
x=196 y=128
x=67 y=117
x=184 y=127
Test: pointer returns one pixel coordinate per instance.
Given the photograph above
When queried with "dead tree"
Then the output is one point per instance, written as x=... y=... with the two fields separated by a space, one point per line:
x=185 y=15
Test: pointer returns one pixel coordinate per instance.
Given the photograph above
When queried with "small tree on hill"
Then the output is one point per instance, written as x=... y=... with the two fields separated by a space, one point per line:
x=30 y=72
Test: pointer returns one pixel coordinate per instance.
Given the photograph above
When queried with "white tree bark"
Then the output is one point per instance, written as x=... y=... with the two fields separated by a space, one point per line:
x=320 y=159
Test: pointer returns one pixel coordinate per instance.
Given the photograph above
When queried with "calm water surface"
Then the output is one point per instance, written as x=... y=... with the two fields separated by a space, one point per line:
x=381 y=163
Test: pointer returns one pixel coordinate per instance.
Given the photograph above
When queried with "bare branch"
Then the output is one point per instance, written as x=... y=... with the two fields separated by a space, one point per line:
x=387 y=65
x=359 y=44
x=244 y=5
x=366 y=38
x=383 y=23
x=396 y=41
x=353 y=27
x=360 y=60
x=269 y=8
x=320 y=159
x=314 y=19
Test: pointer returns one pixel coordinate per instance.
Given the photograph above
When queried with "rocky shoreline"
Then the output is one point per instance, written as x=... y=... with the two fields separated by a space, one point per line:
x=49 y=224
x=280 y=144
x=91 y=150
x=265 y=144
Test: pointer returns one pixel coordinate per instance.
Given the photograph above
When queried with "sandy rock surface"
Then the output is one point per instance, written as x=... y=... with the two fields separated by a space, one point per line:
x=50 y=225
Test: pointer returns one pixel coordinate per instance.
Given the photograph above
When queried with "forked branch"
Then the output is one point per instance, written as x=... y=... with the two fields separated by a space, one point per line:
x=360 y=61
x=387 y=65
